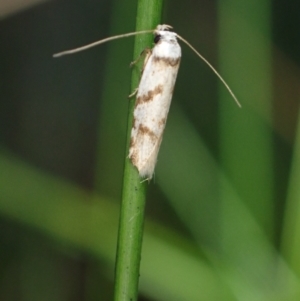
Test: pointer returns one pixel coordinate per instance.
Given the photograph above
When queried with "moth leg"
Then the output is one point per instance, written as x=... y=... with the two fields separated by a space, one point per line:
x=133 y=93
x=144 y=180
x=147 y=52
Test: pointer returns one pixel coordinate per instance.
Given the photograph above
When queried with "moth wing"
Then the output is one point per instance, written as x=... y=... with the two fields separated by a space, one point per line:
x=145 y=151
x=151 y=110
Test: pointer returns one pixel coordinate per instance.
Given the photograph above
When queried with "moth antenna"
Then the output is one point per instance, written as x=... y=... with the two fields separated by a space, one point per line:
x=212 y=68
x=82 y=48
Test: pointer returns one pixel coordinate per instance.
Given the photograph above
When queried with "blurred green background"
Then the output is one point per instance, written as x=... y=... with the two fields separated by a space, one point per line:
x=223 y=215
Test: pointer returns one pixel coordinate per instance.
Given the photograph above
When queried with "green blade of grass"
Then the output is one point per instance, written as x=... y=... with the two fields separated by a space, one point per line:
x=246 y=139
x=246 y=135
x=134 y=192
x=291 y=227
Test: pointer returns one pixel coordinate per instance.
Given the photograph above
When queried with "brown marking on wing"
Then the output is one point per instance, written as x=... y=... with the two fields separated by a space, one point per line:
x=133 y=158
x=166 y=60
x=150 y=95
x=162 y=122
x=133 y=127
x=144 y=130
x=131 y=143
x=133 y=123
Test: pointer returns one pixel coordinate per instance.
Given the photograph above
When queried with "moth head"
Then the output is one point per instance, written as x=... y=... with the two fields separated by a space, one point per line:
x=164 y=35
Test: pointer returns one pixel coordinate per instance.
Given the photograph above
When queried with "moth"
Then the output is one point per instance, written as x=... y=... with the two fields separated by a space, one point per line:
x=153 y=95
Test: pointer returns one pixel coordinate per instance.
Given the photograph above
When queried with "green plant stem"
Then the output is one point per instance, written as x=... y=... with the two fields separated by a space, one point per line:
x=134 y=192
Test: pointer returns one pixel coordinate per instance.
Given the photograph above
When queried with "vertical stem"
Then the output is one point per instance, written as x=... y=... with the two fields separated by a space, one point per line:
x=134 y=192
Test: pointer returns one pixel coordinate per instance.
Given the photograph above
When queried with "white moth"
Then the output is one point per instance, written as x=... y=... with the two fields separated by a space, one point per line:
x=154 y=95
x=153 y=101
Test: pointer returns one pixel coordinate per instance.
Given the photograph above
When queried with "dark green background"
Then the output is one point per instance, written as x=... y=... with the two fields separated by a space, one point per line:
x=222 y=209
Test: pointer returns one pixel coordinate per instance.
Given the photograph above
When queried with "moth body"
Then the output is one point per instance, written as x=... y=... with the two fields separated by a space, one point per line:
x=153 y=101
